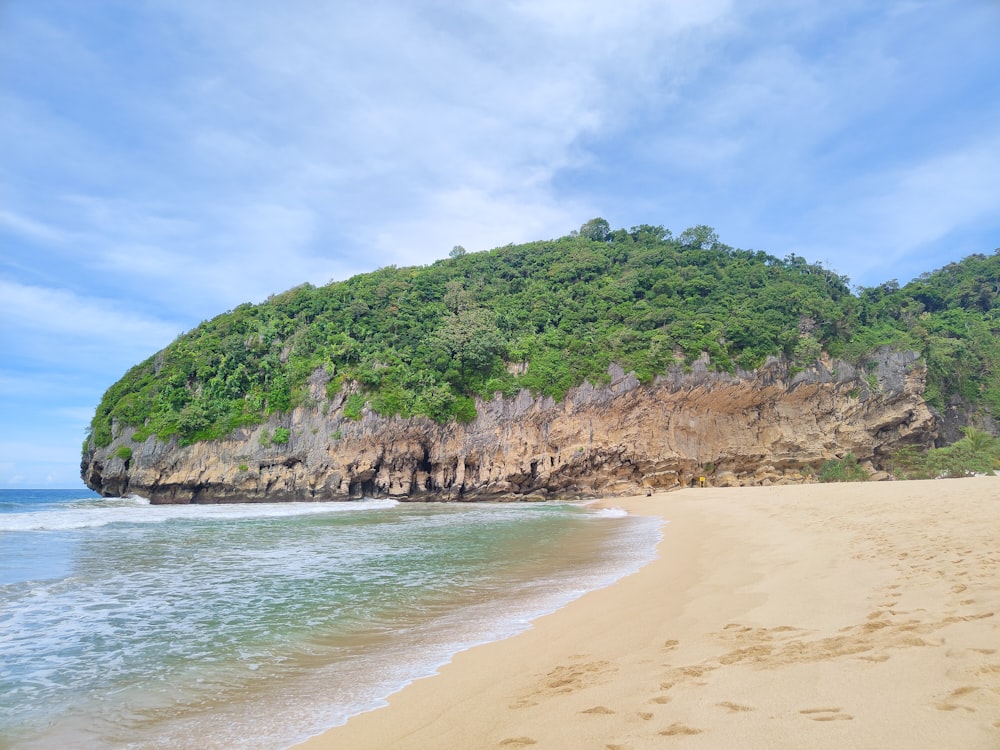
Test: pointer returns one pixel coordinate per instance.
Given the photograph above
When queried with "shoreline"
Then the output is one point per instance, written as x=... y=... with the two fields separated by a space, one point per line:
x=820 y=615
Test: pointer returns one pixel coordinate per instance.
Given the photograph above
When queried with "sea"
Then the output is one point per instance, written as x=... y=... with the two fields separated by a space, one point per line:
x=130 y=625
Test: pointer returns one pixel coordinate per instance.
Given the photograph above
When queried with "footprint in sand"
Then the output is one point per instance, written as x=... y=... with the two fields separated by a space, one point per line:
x=832 y=717
x=751 y=653
x=734 y=708
x=875 y=658
x=518 y=742
x=597 y=710
x=566 y=679
x=678 y=729
x=950 y=703
x=523 y=704
x=697 y=671
x=644 y=715
x=825 y=714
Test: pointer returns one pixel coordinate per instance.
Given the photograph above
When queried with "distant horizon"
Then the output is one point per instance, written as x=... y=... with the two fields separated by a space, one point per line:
x=82 y=487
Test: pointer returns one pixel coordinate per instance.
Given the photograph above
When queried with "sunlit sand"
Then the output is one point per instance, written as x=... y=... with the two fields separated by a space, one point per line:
x=819 y=616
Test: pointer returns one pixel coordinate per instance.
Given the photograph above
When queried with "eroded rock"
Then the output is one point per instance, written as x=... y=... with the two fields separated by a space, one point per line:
x=762 y=427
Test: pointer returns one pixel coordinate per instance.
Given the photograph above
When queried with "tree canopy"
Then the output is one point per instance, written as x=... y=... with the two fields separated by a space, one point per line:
x=546 y=316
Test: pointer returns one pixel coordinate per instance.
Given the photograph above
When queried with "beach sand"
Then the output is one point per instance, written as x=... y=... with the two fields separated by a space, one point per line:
x=814 y=616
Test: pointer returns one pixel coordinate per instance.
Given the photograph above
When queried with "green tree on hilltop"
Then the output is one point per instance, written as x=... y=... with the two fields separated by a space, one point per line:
x=597 y=229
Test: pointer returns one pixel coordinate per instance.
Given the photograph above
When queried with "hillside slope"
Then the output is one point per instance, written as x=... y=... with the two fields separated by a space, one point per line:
x=441 y=348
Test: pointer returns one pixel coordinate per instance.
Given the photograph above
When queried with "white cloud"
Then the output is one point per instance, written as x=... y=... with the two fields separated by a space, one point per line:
x=22 y=452
x=389 y=111
x=926 y=201
x=477 y=220
x=21 y=385
x=55 y=469
x=885 y=224
x=51 y=325
x=32 y=229
x=595 y=19
x=296 y=142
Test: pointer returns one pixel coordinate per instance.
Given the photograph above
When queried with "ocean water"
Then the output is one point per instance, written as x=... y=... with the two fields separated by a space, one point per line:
x=127 y=625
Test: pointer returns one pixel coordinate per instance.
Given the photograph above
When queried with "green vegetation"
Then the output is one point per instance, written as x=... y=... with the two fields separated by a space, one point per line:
x=845 y=469
x=976 y=453
x=546 y=316
x=280 y=436
x=124 y=453
x=950 y=316
x=353 y=406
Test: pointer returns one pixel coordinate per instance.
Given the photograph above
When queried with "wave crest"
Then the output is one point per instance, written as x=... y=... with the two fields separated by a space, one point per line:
x=137 y=510
x=609 y=513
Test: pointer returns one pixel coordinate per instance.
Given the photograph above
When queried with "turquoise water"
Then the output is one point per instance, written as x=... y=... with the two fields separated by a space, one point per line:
x=129 y=625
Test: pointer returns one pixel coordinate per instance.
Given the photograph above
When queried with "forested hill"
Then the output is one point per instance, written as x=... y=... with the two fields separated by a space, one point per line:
x=546 y=316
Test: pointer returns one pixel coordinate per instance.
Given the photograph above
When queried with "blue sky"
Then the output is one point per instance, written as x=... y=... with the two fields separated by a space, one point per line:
x=166 y=160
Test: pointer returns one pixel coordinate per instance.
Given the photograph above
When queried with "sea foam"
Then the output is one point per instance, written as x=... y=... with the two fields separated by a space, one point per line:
x=286 y=624
x=137 y=510
x=608 y=513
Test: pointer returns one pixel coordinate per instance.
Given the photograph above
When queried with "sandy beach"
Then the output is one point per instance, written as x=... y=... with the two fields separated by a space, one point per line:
x=816 y=616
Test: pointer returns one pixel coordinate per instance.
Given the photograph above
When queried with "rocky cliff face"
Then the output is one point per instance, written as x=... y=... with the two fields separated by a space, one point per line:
x=768 y=426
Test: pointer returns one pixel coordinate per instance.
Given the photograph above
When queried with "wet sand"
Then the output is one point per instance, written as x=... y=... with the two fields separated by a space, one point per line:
x=816 y=616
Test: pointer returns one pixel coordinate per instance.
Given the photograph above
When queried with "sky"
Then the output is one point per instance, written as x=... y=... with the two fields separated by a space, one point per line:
x=163 y=161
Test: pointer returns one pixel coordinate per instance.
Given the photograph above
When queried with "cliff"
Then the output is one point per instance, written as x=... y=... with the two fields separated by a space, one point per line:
x=761 y=427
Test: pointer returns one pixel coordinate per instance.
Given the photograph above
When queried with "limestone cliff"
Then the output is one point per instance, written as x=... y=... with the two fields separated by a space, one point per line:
x=761 y=427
